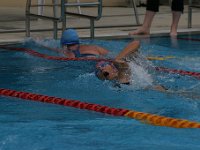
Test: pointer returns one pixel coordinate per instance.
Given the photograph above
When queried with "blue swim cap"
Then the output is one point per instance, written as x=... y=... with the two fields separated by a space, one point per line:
x=69 y=36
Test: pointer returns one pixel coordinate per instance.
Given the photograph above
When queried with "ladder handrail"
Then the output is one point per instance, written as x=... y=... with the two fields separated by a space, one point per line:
x=55 y=19
x=63 y=12
x=47 y=5
x=190 y=6
x=89 y=4
x=135 y=11
x=82 y=4
x=92 y=18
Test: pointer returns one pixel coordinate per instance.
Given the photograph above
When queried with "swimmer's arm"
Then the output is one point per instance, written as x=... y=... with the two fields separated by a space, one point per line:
x=121 y=64
x=102 y=51
x=160 y=88
x=187 y=94
x=124 y=71
x=129 y=49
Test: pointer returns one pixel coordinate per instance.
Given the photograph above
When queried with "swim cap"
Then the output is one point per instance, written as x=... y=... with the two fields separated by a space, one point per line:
x=69 y=36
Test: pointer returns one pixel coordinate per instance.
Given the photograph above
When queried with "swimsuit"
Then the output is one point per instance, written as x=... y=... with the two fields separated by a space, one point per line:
x=77 y=54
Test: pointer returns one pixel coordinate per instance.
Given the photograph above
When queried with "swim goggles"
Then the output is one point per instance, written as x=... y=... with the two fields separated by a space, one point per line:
x=99 y=69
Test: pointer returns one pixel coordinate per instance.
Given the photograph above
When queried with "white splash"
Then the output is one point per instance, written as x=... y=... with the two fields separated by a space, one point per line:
x=140 y=77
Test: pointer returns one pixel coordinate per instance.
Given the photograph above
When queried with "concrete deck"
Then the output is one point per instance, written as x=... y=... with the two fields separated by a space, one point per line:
x=13 y=19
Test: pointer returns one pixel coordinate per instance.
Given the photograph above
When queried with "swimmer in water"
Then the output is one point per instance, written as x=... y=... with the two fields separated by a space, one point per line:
x=118 y=70
x=72 y=48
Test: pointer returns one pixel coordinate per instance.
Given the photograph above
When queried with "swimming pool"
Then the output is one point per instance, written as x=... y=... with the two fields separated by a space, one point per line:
x=32 y=125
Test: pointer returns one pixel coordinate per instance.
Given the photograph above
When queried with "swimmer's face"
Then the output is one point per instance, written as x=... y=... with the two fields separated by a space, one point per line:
x=71 y=47
x=106 y=71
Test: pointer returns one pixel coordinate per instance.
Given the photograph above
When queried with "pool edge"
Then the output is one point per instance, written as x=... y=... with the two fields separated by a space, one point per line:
x=109 y=36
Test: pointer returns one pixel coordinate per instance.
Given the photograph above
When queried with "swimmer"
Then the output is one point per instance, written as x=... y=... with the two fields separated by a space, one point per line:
x=118 y=70
x=72 y=48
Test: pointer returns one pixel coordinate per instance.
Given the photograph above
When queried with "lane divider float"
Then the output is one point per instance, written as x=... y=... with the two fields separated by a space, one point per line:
x=34 y=53
x=141 y=116
x=160 y=57
x=181 y=72
x=37 y=54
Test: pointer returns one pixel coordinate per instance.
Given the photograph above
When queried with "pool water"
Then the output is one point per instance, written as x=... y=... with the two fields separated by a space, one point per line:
x=33 y=125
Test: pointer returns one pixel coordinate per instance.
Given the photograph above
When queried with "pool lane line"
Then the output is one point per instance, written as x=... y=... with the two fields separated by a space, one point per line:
x=141 y=116
x=161 y=58
x=181 y=72
x=37 y=54
x=188 y=39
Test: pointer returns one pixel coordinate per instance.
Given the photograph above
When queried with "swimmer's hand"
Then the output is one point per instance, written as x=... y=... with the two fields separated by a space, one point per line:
x=160 y=88
x=131 y=48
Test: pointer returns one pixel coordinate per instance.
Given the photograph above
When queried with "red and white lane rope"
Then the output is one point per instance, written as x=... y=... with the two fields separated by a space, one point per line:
x=141 y=116
x=37 y=54
x=181 y=72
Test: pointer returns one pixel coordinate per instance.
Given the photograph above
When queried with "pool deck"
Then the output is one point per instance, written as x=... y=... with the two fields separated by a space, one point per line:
x=14 y=19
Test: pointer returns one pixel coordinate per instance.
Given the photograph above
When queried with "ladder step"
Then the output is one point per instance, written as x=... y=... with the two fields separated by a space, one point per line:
x=82 y=4
x=45 y=5
x=44 y=17
x=81 y=15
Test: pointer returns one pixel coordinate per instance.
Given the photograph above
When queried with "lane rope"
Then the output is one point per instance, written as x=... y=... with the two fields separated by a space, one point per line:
x=37 y=54
x=181 y=72
x=160 y=57
x=141 y=116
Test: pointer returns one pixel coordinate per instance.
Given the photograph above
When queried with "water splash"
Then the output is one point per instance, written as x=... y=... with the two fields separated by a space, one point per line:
x=139 y=76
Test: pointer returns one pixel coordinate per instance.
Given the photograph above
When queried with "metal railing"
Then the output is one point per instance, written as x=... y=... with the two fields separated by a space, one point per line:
x=64 y=5
x=133 y=4
x=90 y=17
x=54 y=18
x=62 y=18
x=190 y=7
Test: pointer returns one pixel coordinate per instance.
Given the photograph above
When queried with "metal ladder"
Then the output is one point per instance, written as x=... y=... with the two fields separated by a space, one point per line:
x=190 y=6
x=64 y=4
x=62 y=18
x=95 y=18
x=90 y=17
x=42 y=2
x=133 y=4
x=54 y=18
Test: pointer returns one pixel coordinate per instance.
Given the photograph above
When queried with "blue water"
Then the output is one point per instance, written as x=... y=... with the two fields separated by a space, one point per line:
x=39 y=126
